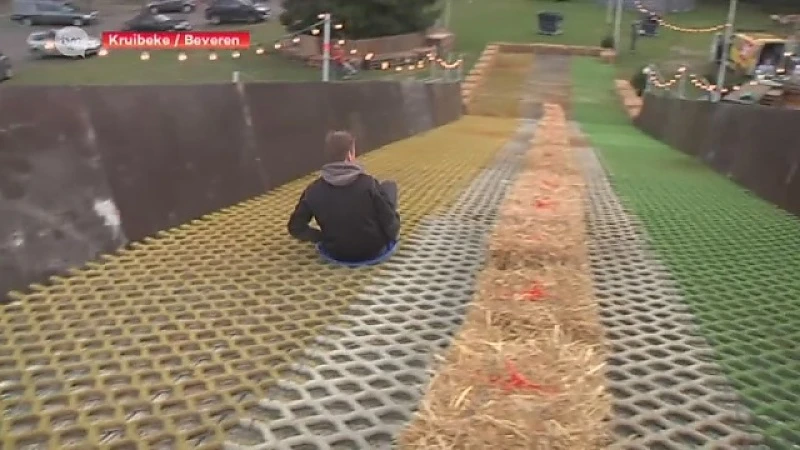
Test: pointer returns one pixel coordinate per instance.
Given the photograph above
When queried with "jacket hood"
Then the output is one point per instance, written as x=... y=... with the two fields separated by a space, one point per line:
x=341 y=173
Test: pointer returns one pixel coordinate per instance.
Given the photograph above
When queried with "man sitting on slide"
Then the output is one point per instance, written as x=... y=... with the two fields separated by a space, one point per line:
x=356 y=214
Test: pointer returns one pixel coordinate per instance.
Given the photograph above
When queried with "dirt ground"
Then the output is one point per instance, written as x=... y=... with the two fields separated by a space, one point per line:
x=526 y=370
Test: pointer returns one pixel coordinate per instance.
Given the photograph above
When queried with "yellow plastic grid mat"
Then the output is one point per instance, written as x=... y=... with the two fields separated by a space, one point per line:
x=503 y=86
x=164 y=345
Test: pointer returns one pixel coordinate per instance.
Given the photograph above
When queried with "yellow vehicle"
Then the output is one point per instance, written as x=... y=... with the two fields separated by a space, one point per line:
x=750 y=51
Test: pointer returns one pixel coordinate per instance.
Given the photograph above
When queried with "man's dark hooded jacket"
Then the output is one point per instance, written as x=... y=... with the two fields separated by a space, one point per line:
x=356 y=218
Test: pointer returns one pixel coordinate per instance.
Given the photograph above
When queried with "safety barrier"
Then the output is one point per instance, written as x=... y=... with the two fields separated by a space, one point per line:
x=560 y=49
x=101 y=166
x=476 y=75
x=630 y=101
x=756 y=146
x=606 y=55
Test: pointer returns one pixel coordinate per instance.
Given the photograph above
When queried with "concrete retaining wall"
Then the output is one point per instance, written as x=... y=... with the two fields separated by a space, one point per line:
x=757 y=146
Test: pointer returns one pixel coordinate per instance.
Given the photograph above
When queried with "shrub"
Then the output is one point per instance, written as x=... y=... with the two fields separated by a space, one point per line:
x=607 y=42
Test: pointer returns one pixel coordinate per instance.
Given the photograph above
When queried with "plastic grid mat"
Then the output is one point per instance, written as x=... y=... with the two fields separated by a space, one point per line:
x=668 y=391
x=734 y=255
x=550 y=80
x=162 y=346
x=363 y=379
x=505 y=84
x=736 y=259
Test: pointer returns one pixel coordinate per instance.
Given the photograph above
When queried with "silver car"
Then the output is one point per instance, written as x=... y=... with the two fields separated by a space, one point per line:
x=43 y=44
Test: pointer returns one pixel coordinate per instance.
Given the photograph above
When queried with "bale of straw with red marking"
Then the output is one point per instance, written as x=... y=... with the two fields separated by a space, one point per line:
x=526 y=370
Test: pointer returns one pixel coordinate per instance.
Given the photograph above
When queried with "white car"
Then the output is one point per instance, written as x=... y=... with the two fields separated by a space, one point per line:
x=43 y=44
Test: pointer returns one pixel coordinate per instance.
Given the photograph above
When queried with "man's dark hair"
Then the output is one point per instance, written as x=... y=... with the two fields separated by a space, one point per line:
x=338 y=144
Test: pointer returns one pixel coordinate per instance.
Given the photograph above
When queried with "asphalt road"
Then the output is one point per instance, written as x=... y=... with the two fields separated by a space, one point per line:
x=13 y=35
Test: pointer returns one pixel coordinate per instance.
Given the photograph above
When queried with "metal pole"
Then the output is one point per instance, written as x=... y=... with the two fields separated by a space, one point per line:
x=618 y=26
x=326 y=48
x=610 y=11
x=448 y=6
x=235 y=77
x=725 y=50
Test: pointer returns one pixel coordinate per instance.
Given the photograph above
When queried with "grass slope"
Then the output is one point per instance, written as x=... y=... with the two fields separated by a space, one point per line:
x=477 y=22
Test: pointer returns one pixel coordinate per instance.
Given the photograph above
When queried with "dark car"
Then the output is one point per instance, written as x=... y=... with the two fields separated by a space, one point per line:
x=5 y=67
x=158 y=22
x=226 y=11
x=46 y=12
x=171 y=6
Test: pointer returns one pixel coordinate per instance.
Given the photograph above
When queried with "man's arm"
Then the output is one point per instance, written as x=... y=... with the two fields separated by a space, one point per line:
x=299 y=222
x=388 y=218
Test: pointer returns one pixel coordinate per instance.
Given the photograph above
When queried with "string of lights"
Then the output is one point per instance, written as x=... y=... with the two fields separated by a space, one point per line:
x=293 y=39
x=640 y=7
x=697 y=81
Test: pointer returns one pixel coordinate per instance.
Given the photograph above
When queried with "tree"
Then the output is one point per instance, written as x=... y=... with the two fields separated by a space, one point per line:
x=364 y=18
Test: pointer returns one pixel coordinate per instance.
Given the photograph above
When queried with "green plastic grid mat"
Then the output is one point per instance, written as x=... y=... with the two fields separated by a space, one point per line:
x=736 y=258
x=668 y=392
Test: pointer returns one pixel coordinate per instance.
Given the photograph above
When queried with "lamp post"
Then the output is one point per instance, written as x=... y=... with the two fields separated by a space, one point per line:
x=726 y=44
x=326 y=46
x=618 y=25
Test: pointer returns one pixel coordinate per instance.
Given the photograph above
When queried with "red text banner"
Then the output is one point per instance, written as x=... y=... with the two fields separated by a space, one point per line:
x=184 y=40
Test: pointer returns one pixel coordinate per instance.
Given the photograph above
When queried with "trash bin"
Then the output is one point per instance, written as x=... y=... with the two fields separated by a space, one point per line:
x=550 y=23
x=649 y=26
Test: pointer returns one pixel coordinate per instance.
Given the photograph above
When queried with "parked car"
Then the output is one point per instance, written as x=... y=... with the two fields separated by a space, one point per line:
x=171 y=6
x=48 y=12
x=6 y=72
x=226 y=11
x=158 y=22
x=43 y=44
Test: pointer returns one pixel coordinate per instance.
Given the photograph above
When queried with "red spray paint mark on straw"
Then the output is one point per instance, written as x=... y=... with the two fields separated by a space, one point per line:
x=536 y=292
x=515 y=381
